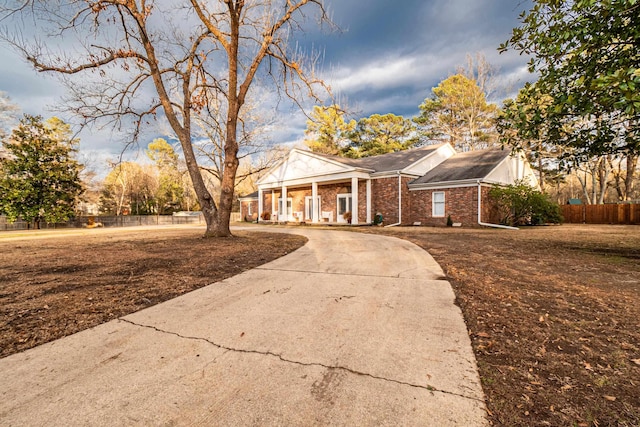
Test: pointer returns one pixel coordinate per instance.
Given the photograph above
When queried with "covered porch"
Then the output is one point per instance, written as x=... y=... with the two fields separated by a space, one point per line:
x=345 y=200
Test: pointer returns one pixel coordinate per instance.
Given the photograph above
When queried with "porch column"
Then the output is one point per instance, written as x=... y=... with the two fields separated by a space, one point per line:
x=314 y=202
x=260 y=203
x=284 y=214
x=369 y=201
x=354 y=201
x=273 y=204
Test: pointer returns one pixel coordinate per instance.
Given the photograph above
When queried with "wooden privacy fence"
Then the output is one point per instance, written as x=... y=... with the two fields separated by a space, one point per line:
x=601 y=214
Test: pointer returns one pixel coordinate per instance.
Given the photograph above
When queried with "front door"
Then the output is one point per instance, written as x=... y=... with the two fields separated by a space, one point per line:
x=288 y=215
x=309 y=207
x=344 y=205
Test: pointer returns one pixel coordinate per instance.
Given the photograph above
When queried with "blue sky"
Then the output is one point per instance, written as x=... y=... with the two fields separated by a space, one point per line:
x=386 y=59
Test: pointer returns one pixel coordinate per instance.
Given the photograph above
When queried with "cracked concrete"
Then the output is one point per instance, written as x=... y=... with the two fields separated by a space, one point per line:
x=351 y=329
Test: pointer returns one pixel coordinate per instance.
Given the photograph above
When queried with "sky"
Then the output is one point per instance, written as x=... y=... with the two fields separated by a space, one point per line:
x=385 y=58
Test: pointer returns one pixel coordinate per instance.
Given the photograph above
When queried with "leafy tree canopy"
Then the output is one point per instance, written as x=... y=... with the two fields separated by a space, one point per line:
x=39 y=178
x=162 y=154
x=381 y=134
x=327 y=131
x=587 y=56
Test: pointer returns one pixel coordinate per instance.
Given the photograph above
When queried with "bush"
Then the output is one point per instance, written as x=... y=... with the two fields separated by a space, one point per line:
x=266 y=216
x=377 y=219
x=449 y=221
x=521 y=204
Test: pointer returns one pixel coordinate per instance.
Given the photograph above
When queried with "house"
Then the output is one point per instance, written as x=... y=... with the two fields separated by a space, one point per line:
x=249 y=207
x=423 y=185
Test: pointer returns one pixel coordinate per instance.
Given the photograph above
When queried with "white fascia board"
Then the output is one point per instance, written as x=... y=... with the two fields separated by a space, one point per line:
x=450 y=184
x=391 y=174
x=444 y=184
x=320 y=157
x=269 y=179
x=276 y=166
x=320 y=179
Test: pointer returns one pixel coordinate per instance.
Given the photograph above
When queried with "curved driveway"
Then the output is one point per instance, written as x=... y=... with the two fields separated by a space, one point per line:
x=351 y=329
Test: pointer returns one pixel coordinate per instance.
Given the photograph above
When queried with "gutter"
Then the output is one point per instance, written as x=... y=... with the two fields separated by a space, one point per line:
x=485 y=224
x=399 y=202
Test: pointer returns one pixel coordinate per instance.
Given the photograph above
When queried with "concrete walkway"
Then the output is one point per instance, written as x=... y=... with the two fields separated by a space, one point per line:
x=351 y=329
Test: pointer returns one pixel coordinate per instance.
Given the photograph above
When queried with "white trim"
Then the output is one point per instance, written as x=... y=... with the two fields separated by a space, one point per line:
x=314 y=194
x=354 y=201
x=450 y=184
x=346 y=168
x=393 y=174
x=349 y=197
x=435 y=203
x=324 y=179
x=486 y=224
x=287 y=215
x=368 y=201
x=315 y=209
x=274 y=203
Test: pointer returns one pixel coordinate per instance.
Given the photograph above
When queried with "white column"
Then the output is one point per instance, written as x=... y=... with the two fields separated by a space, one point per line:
x=260 y=204
x=285 y=213
x=274 y=204
x=354 y=201
x=314 y=202
x=369 y=217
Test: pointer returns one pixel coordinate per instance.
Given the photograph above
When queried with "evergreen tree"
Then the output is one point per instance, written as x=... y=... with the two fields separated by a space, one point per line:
x=39 y=177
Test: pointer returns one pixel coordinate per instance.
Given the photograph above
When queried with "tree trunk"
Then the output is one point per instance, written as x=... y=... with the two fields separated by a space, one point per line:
x=632 y=164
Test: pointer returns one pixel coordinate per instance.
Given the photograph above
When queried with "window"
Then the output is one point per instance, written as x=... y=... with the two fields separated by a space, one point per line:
x=437 y=203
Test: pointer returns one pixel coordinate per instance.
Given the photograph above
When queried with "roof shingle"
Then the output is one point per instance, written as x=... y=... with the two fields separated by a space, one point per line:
x=388 y=162
x=465 y=166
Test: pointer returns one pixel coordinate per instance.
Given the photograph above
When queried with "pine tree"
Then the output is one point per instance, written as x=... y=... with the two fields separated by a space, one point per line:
x=39 y=177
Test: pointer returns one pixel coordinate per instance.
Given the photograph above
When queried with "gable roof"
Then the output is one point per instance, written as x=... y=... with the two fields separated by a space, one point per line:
x=250 y=196
x=395 y=161
x=472 y=165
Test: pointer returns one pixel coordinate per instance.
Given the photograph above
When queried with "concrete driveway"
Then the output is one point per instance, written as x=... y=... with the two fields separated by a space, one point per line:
x=351 y=329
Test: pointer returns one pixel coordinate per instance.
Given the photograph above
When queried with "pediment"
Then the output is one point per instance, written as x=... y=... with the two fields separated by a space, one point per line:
x=302 y=164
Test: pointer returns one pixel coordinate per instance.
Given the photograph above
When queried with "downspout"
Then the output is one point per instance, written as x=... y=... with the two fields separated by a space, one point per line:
x=485 y=224
x=399 y=202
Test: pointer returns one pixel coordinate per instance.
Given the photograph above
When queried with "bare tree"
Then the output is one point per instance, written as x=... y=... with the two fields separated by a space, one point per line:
x=137 y=63
x=256 y=151
x=483 y=72
x=623 y=170
x=593 y=174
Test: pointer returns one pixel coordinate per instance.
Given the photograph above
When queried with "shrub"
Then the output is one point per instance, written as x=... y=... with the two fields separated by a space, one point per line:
x=449 y=221
x=266 y=216
x=521 y=204
x=377 y=219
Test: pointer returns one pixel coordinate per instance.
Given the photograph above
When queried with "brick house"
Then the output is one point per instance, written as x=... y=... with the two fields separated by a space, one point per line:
x=424 y=185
